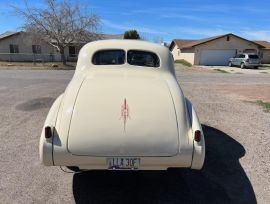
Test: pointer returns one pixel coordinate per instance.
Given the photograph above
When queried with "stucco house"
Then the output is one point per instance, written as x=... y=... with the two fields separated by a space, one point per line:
x=21 y=46
x=215 y=50
x=264 y=52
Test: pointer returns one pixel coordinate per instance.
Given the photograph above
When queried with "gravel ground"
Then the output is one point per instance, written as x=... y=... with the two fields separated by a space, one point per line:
x=237 y=159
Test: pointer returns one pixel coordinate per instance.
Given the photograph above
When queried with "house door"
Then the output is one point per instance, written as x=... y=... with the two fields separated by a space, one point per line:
x=72 y=51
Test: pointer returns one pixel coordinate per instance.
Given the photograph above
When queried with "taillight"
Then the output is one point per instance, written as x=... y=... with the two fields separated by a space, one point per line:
x=48 y=132
x=198 y=136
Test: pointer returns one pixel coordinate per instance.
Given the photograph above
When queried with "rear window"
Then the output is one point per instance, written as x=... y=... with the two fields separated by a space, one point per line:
x=253 y=56
x=109 y=57
x=142 y=58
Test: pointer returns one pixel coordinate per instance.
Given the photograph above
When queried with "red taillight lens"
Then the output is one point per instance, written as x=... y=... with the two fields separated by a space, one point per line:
x=48 y=132
x=198 y=136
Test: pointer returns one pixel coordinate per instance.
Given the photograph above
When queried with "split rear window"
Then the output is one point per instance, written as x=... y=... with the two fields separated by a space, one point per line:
x=118 y=57
x=142 y=58
x=109 y=57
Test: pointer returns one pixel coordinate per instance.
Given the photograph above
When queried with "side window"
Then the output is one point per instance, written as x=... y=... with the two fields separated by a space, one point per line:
x=241 y=56
x=36 y=49
x=13 y=48
x=109 y=57
x=143 y=58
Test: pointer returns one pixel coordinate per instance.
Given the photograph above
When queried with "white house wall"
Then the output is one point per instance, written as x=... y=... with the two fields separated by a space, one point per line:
x=185 y=54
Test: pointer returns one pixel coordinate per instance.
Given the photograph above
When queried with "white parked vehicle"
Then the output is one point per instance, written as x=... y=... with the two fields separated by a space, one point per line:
x=123 y=109
x=245 y=60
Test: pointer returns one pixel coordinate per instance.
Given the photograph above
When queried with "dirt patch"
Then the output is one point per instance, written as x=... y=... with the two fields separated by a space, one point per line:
x=35 y=104
x=247 y=92
x=182 y=68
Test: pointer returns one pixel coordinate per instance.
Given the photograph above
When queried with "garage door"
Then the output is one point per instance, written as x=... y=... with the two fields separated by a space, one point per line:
x=216 y=57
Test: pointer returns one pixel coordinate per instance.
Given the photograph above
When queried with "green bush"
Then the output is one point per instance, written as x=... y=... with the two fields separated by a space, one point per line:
x=183 y=62
x=265 y=105
x=221 y=70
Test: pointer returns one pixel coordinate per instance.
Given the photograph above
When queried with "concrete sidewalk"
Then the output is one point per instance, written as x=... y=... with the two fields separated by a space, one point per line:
x=238 y=70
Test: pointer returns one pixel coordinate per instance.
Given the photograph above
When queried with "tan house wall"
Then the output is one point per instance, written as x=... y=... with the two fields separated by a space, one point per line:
x=175 y=52
x=25 y=42
x=222 y=44
x=265 y=56
x=186 y=54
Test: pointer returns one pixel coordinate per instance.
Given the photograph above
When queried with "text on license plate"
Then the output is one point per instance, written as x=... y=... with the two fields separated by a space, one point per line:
x=123 y=163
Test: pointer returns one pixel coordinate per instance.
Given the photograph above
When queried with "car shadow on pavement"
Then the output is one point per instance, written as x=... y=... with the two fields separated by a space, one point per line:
x=222 y=180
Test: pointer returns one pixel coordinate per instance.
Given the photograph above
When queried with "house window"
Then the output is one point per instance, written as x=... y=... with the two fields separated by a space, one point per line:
x=228 y=38
x=72 y=51
x=13 y=48
x=36 y=49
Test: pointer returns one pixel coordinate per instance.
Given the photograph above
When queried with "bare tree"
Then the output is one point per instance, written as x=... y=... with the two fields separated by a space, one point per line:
x=60 y=24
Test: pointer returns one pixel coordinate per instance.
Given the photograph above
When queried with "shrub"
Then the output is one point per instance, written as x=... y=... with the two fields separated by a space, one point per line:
x=183 y=62
x=131 y=34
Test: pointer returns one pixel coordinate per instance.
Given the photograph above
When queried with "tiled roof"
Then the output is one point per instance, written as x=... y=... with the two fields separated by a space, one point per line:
x=191 y=43
x=7 y=34
x=263 y=43
x=102 y=36
x=112 y=36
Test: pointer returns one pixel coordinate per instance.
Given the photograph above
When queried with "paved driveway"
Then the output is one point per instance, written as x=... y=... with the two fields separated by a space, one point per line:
x=237 y=160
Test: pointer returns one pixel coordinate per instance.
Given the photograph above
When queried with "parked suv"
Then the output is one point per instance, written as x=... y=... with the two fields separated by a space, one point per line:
x=245 y=60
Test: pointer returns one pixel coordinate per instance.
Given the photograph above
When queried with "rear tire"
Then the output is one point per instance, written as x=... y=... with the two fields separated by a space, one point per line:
x=256 y=67
x=74 y=168
x=242 y=66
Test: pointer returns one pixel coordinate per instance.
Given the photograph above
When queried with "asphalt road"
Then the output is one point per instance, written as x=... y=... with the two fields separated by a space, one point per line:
x=237 y=158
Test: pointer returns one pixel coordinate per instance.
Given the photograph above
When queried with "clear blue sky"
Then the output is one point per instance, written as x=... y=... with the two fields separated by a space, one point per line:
x=169 y=19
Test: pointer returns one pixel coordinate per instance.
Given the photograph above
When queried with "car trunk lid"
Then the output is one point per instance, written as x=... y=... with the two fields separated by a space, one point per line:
x=123 y=115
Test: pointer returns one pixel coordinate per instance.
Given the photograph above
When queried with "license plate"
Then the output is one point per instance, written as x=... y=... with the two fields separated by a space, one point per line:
x=123 y=163
x=253 y=62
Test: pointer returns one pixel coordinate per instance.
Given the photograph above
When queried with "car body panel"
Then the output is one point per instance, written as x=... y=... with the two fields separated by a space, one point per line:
x=46 y=145
x=99 y=104
x=90 y=124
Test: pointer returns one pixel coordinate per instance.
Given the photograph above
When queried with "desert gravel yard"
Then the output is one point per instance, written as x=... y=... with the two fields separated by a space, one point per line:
x=236 y=170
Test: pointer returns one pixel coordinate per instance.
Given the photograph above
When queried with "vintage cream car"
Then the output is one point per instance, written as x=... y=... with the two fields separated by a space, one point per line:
x=123 y=109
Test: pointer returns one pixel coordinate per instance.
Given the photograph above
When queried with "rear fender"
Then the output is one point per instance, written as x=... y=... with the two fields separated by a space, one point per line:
x=46 y=145
x=198 y=147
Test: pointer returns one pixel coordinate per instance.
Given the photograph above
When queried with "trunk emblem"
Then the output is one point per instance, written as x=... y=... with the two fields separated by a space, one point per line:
x=125 y=113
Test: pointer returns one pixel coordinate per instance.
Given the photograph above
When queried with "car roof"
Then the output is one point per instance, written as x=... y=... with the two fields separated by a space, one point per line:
x=89 y=49
x=126 y=45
